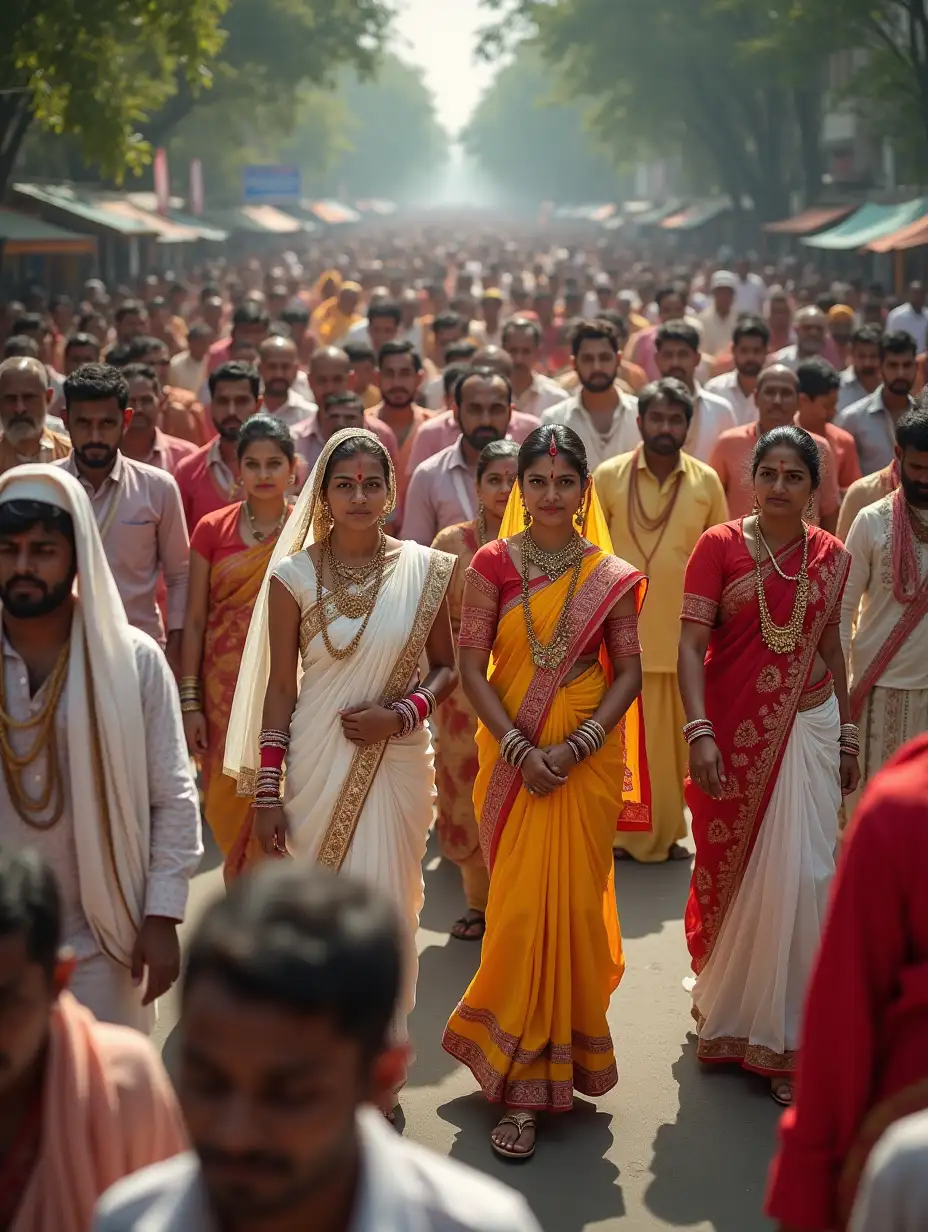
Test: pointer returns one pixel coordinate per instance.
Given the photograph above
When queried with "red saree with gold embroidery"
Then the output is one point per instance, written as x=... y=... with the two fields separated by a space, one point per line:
x=532 y=1025
x=752 y=698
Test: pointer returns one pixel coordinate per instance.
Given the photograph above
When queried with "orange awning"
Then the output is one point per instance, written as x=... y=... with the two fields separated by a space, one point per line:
x=272 y=219
x=809 y=220
x=912 y=236
x=168 y=232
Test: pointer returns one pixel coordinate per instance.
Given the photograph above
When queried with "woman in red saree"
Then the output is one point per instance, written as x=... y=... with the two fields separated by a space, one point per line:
x=560 y=762
x=771 y=750
x=229 y=555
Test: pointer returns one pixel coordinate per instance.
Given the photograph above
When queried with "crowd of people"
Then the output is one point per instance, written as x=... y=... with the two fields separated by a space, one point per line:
x=553 y=548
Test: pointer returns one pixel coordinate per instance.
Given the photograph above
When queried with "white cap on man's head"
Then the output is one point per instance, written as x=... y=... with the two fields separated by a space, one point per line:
x=724 y=278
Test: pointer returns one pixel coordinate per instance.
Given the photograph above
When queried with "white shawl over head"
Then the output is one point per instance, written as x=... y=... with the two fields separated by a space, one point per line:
x=305 y=526
x=106 y=734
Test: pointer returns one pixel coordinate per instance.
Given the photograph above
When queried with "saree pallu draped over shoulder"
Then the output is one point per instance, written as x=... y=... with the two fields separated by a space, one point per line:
x=752 y=698
x=532 y=1025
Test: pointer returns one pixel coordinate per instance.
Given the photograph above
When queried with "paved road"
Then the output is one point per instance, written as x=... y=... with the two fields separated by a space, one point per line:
x=673 y=1146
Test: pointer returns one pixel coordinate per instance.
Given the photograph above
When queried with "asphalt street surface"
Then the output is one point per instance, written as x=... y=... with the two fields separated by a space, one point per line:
x=672 y=1146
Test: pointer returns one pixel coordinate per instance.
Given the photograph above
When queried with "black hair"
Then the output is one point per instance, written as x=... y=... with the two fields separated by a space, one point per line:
x=137 y=347
x=157 y=302
x=20 y=346
x=85 y=319
x=672 y=391
x=199 y=329
x=751 y=327
x=235 y=370
x=359 y=352
x=912 y=425
x=816 y=377
x=351 y=447
x=867 y=335
x=96 y=383
x=600 y=330
x=789 y=436
x=295 y=314
x=145 y=371
x=677 y=331
x=118 y=356
x=81 y=339
x=129 y=308
x=19 y=516
x=30 y=901
x=897 y=342
x=347 y=398
x=250 y=313
x=308 y=942
x=27 y=322
x=485 y=374
x=386 y=308
x=670 y=288
x=538 y=445
x=448 y=320
x=616 y=320
x=452 y=374
x=463 y=350
x=59 y=301
x=398 y=347
x=525 y=325
x=494 y=452
x=265 y=427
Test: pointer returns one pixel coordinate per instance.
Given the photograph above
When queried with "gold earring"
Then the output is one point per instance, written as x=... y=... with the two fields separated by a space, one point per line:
x=382 y=521
x=756 y=508
x=810 y=509
x=526 y=516
x=578 y=519
x=327 y=514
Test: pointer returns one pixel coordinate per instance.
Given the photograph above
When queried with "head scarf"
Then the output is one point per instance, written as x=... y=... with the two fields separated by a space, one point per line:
x=106 y=735
x=307 y=525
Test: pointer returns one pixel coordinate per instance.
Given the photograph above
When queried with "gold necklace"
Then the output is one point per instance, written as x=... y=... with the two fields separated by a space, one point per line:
x=555 y=565
x=356 y=604
x=28 y=807
x=259 y=535
x=782 y=639
x=481 y=526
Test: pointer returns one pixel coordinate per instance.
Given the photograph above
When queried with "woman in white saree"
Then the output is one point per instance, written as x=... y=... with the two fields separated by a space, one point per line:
x=347 y=622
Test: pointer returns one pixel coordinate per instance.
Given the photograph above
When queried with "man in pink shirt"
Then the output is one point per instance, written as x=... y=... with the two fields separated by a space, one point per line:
x=250 y=324
x=337 y=411
x=143 y=440
x=443 y=490
x=137 y=507
x=819 y=385
x=329 y=373
x=777 y=397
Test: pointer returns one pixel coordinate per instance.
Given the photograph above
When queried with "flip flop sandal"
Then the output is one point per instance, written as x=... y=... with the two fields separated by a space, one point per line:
x=467 y=923
x=782 y=1092
x=522 y=1121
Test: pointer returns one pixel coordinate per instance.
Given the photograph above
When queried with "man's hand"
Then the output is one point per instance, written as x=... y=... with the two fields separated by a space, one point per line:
x=156 y=947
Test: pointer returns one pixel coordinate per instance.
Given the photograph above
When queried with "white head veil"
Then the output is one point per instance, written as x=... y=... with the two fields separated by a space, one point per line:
x=306 y=525
x=108 y=771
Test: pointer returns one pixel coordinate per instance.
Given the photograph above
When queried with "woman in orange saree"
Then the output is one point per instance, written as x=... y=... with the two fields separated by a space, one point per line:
x=763 y=683
x=560 y=762
x=229 y=555
x=456 y=719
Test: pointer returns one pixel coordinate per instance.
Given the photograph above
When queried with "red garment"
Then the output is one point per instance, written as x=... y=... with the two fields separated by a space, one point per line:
x=200 y=492
x=864 y=1054
x=218 y=535
x=752 y=698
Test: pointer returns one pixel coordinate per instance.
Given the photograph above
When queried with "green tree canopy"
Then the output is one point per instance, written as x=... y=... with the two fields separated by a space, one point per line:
x=534 y=143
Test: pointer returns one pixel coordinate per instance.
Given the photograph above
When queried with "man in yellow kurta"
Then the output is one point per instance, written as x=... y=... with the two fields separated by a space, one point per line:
x=658 y=501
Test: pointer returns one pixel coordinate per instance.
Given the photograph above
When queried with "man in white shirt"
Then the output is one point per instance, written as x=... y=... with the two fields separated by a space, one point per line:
x=750 y=342
x=604 y=418
x=751 y=290
x=531 y=392
x=677 y=354
x=718 y=321
x=862 y=377
x=912 y=316
x=278 y=364
x=811 y=326
x=285 y=1056
x=187 y=370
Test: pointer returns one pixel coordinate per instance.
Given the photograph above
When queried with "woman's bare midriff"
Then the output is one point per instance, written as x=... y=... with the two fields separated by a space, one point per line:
x=582 y=665
x=819 y=671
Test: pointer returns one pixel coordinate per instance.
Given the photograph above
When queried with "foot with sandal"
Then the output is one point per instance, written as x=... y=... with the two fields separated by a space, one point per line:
x=781 y=1089
x=514 y=1135
x=469 y=927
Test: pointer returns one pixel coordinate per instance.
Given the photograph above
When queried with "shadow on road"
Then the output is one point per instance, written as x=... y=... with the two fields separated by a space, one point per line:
x=711 y=1164
x=649 y=895
x=560 y=1205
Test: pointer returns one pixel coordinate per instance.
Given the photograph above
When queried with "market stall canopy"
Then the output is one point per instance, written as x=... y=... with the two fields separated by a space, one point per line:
x=809 y=220
x=656 y=215
x=912 y=236
x=82 y=208
x=870 y=223
x=272 y=219
x=333 y=212
x=168 y=232
x=697 y=214
x=24 y=236
x=382 y=208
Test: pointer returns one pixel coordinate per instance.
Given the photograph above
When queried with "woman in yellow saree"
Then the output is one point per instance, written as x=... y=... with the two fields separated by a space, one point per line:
x=561 y=756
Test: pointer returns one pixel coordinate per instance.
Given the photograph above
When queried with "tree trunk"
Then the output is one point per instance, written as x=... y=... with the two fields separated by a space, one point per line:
x=15 y=118
x=807 y=103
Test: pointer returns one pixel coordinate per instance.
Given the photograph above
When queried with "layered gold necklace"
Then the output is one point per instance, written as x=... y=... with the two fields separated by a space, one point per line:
x=355 y=589
x=555 y=565
x=15 y=766
x=782 y=639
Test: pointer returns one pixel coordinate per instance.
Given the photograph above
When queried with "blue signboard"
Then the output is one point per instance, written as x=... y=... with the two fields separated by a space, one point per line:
x=270 y=185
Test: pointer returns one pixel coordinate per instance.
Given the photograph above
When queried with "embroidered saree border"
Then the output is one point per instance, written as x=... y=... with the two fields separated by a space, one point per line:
x=366 y=760
x=912 y=616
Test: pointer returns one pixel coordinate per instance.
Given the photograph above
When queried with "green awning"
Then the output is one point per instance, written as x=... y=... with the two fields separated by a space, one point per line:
x=81 y=209
x=657 y=214
x=696 y=215
x=24 y=235
x=868 y=224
